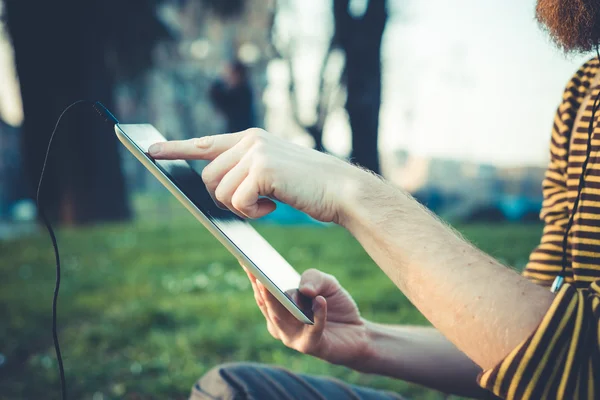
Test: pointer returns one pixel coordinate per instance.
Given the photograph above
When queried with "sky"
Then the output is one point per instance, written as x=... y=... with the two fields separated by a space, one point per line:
x=464 y=79
x=482 y=80
x=469 y=79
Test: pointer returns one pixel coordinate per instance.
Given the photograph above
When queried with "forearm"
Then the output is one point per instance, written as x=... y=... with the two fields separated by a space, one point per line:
x=420 y=355
x=482 y=307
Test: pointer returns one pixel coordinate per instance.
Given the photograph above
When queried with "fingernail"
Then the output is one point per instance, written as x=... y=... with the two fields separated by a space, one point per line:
x=155 y=149
x=315 y=305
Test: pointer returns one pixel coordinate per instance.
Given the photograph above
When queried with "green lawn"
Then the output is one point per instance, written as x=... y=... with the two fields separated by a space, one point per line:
x=146 y=308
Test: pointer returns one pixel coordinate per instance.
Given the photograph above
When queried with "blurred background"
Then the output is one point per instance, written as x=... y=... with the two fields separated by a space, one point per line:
x=453 y=101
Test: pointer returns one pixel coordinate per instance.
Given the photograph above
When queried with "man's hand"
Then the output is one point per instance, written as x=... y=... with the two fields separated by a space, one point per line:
x=482 y=307
x=339 y=334
x=249 y=168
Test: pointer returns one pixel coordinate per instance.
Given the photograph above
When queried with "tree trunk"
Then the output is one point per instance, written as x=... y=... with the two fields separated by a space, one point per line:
x=60 y=58
x=360 y=38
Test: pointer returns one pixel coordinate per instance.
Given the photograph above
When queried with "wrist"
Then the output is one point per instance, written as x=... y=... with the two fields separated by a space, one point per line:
x=365 y=198
x=357 y=186
x=367 y=354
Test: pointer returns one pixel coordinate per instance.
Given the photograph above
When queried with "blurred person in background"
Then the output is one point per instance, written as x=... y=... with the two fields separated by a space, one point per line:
x=495 y=332
x=234 y=98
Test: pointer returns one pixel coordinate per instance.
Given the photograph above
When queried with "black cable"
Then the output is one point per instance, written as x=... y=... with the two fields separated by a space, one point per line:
x=61 y=370
x=581 y=185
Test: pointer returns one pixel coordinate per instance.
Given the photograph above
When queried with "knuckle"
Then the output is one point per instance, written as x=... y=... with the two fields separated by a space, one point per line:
x=238 y=203
x=332 y=279
x=221 y=195
x=257 y=138
x=202 y=142
x=256 y=133
x=260 y=150
x=276 y=318
x=260 y=160
x=312 y=272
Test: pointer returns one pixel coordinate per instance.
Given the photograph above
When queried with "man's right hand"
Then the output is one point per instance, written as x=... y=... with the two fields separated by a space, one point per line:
x=412 y=353
x=250 y=169
x=339 y=334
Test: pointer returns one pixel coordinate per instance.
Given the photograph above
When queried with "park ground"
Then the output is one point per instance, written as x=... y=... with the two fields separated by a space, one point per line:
x=147 y=307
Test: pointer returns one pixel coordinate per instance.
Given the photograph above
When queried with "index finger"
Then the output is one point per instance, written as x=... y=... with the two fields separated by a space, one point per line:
x=204 y=148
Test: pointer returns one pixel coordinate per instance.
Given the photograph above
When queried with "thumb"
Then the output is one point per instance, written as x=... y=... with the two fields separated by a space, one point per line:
x=320 y=319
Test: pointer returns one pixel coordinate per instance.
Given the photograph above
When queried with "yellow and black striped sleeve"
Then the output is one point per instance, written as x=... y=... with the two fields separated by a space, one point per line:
x=546 y=260
x=561 y=359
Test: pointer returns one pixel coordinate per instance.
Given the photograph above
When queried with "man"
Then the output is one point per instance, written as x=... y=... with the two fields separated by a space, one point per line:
x=234 y=98
x=495 y=331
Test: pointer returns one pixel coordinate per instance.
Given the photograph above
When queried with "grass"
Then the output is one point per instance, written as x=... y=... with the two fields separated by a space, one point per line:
x=146 y=308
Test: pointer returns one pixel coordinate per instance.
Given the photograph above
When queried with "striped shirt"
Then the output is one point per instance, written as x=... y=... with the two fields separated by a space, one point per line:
x=561 y=359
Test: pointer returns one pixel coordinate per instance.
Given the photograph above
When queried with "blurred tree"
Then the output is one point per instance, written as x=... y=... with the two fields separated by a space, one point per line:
x=225 y=8
x=359 y=38
x=67 y=50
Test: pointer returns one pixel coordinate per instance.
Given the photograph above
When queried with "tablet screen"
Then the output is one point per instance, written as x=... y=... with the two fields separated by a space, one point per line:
x=241 y=234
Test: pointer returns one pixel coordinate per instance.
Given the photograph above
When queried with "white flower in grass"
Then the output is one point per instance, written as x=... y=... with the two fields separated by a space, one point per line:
x=136 y=368
x=236 y=280
x=201 y=281
x=215 y=269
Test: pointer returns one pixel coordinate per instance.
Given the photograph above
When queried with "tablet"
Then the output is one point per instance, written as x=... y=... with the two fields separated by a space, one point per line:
x=237 y=235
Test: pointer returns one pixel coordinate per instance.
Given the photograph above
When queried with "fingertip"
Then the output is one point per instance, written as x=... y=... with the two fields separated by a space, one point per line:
x=319 y=304
x=322 y=300
x=155 y=149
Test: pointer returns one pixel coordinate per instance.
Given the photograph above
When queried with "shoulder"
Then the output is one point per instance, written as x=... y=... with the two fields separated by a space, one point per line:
x=581 y=81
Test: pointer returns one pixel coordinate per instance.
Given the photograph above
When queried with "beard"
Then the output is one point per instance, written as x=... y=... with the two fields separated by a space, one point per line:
x=573 y=25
